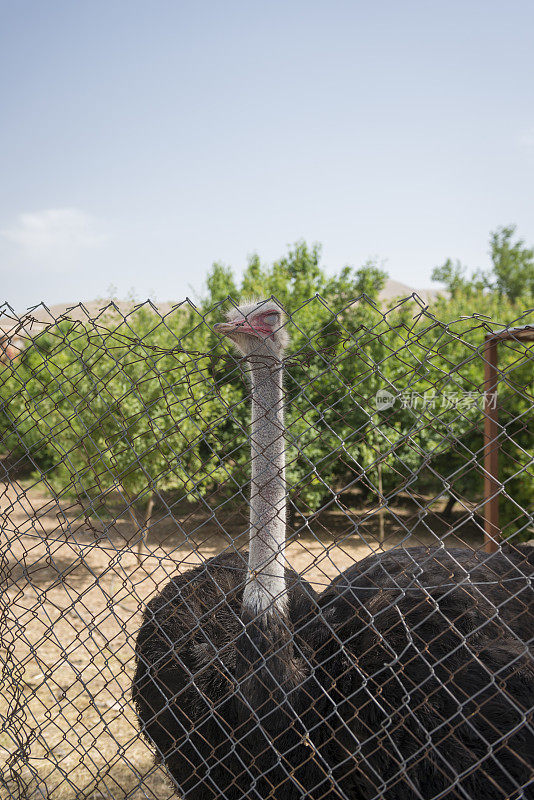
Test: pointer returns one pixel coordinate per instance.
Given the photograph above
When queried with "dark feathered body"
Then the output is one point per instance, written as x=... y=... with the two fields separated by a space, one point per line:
x=503 y=578
x=351 y=688
x=186 y=691
x=185 y=662
x=433 y=692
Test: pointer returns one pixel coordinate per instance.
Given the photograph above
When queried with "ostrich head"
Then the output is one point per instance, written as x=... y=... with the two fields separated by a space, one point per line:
x=257 y=328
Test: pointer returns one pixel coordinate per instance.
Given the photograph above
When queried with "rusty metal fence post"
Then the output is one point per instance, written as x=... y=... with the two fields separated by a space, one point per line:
x=492 y=487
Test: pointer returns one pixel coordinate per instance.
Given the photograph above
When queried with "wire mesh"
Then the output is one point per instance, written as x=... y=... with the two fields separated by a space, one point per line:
x=394 y=662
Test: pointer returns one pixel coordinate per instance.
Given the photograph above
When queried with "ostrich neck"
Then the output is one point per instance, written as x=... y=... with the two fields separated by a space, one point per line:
x=266 y=586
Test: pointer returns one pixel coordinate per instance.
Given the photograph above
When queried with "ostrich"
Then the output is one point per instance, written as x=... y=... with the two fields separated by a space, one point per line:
x=191 y=649
x=405 y=679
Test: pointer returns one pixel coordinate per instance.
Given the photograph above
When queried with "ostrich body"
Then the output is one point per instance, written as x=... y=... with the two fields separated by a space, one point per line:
x=435 y=687
x=502 y=578
x=408 y=678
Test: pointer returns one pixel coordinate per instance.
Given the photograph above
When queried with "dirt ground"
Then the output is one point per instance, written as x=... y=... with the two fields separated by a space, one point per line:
x=71 y=606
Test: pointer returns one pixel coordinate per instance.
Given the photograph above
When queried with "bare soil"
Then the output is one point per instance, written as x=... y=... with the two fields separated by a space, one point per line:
x=73 y=594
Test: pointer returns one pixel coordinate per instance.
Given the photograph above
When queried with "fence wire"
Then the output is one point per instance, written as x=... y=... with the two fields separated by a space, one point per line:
x=368 y=646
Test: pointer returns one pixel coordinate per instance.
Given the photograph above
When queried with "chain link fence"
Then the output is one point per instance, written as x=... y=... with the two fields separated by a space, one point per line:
x=394 y=657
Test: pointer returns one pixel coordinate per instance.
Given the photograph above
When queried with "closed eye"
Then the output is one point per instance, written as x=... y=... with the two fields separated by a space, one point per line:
x=271 y=318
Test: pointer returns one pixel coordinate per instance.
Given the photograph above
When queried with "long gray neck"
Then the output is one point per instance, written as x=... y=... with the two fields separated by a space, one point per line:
x=266 y=585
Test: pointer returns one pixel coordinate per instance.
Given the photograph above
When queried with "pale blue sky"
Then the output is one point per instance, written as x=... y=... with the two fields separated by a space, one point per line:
x=141 y=141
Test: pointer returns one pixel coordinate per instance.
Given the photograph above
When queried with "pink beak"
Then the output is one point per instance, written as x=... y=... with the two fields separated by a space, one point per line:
x=241 y=326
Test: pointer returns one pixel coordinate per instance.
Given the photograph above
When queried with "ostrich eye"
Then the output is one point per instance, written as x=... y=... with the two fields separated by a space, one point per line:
x=272 y=318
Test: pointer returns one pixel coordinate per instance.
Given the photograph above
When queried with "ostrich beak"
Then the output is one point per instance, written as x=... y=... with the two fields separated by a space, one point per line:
x=227 y=328
x=222 y=327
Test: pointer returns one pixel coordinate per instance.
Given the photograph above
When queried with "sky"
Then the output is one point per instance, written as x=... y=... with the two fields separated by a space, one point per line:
x=142 y=141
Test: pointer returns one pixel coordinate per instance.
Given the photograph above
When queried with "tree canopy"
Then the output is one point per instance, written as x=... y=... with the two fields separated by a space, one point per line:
x=139 y=403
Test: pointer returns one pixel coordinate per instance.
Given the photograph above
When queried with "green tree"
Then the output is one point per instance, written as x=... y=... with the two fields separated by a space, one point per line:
x=513 y=264
x=457 y=281
x=511 y=274
x=502 y=297
x=115 y=408
x=135 y=405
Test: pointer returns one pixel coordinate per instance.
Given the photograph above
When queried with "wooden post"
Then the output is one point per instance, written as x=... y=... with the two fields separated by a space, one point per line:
x=492 y=533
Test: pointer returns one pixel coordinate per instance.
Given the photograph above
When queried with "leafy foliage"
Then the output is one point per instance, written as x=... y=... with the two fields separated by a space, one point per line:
x=513 y=265
x=138 y=404
x=503 y=296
